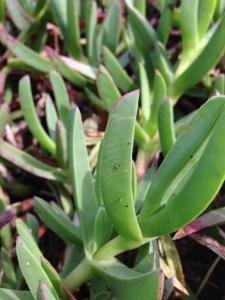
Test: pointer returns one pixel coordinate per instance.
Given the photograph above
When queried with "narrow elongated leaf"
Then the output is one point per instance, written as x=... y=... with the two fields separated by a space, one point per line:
x=30 y=115
x=128 y=283
x=2 y=11
x=4 y=116
x=103 y=228
x=24 y=53
x=53 y=276
x=81 y=177
x=82 y=68
x=20 y=17
x=51 y=118
x=33 y=225
x=111 y=26
x=32 y=269
x=8 y=268
x=189 y=26
x=219 y=84
x=166 y=127
x=116 y=167
x=205 y=61
x=58 y=9
x=27 y=238
x=90 y=29
x=145 y=92
x=119 y=75
x=182 y=182
x=57 y=221
x=94 y=99
x=140 y=6
x=61 y=96
x=159 y=95
x=74 y=255
x=64 y=68
x=107 y=88
x=73 y=28
x=165 y=21
x=143 y=187
x=7 y=294
x=147 y=44
x=206 y=10
x=30 y=164
x=61 y=144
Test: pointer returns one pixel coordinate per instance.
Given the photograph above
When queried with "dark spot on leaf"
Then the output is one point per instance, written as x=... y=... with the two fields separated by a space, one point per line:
x=126 y=205
x=116 y=166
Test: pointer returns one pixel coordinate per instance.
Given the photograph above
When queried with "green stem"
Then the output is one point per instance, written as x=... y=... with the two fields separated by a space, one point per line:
x=116 y=246
x=85 y=271
x=81 y=274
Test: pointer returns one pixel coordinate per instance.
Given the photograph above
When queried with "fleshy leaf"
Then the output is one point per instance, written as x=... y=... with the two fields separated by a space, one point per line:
x=57 y=221
x=182 y=183
x=116 y=166
x=81 y=177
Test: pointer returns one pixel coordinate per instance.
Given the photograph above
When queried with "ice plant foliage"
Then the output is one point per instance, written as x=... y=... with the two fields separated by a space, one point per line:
x=113 y=198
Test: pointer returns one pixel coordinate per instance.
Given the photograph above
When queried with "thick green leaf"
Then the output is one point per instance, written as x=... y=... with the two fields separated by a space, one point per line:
x=165 y=21
x=53 y=276
x=183 y=187
x=8 y=268
x=111 y=26
x=2 y=11
x=32 y=269
x=74 y=255
x=107 y=88
x=119 y=75
x=159 y=95
x=219 y=84
x=81 y=177
x=30 y=115
x=94 y=99
x=145 y=92
x=80 y=67
x=205 y=61
x=19 y=16
x=73 y=28
x=90 y=29
x=166 y=126
x=62 y=66
x=103 y=228
x=116 y=167
x=61 y=96
x=6 y=294
x=140 y=6
x=58 y=9
x=143 y=187
x=206 y=10
x=57 y=221
x=129 y=284
x=4 y=116
x=33 y=224
x=61 y=144
x=30 y=164
x=189 y=26
x=51 y=117
x=24 y=53
x=147 y=43
x=27 y=238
